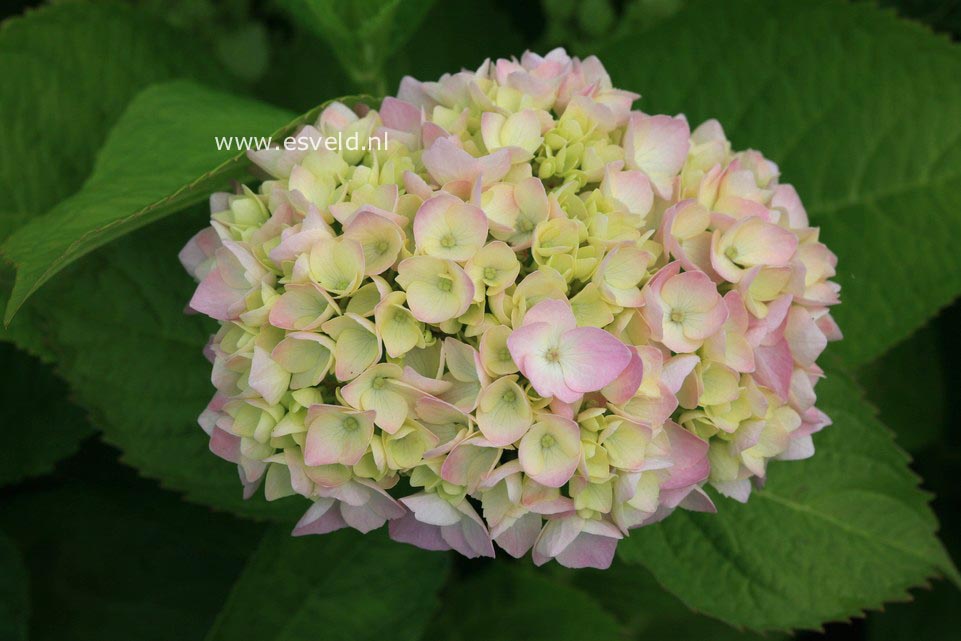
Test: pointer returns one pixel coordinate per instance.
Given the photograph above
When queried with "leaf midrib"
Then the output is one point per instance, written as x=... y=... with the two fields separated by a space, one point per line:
x=951 y=572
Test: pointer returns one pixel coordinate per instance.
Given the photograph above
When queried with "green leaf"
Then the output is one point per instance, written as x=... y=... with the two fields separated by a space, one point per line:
x=861 y=110
x=826 y=539
x=39 y=426
x=511 y=603
x=64 y=87
x=160 y=158
x=362 y=33
x=118 y=559
x=14 y=598
x=340 y=587
x=134 y=362
x=245 y=50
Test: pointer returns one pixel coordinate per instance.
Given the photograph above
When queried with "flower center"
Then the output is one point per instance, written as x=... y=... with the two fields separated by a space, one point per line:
x=490 y=273
x=448 y=241
x=509 y=397
x=350 y=424
x=378 y=382
x=677 y=316
x=381 y=247
x=552 y=355
x=444 y=285
x=547 y=441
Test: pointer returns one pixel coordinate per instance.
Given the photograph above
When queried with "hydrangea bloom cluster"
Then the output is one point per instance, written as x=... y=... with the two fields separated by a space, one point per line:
x=533 y=317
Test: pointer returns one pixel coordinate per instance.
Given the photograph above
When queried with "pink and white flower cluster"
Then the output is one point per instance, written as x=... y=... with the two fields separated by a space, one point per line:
x=547 y=317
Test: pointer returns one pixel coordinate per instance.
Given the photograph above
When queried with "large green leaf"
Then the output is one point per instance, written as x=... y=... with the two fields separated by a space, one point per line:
x=64 y=85
x=340 y=587
x=69 y=70
x=826 y=539
x=160 y=158
x=117 y=559
x=38 y=425
x=14 y=598
x=861 y=110
x=507 y=602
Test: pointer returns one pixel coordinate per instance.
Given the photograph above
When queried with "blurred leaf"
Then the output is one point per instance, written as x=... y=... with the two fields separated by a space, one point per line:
x=245 y=51
x=362 y=33
x=134 y=362
x=123 y=561
x=189 y=14
x=339 y=587
x=296 y=80
x=862 y=112
x=455 y=36
x=596 y=17
x=507 y=602
x=39 y=425
x=447 y=40
x=14 y=599
x=237 y=31
x=909 y=388
x=647 y=610
x=579 y=25
x=160 y=158
x=826 y=539
x=65 y=83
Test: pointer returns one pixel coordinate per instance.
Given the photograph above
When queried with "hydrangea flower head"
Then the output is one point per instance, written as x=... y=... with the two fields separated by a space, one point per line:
x=556 y=317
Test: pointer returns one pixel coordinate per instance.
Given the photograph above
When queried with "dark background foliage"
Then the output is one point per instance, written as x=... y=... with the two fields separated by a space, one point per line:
x=107 y=554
